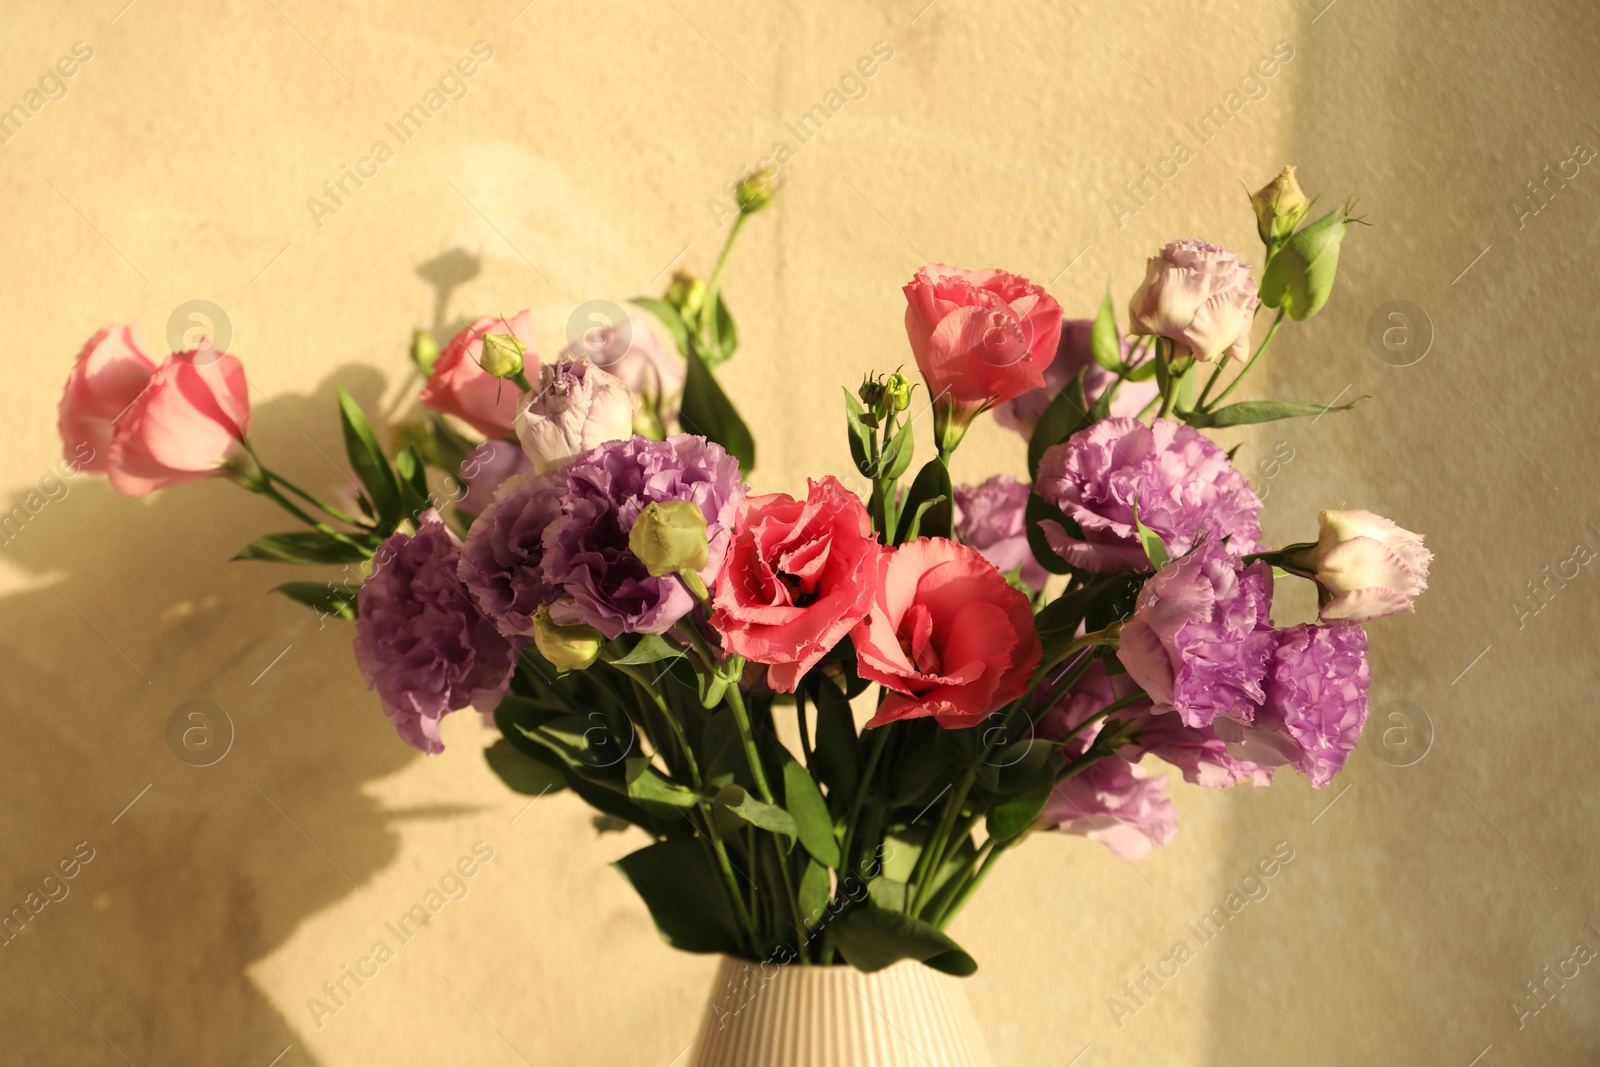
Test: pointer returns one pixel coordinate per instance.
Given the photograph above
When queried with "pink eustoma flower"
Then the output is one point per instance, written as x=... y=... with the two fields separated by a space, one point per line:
x=109 y=372
x=799 y=576
x=459 y=386
x=948 y=635
x=189 y=420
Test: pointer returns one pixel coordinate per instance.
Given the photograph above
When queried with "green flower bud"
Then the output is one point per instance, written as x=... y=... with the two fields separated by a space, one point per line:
x=871 y=393
x=686 y=293
x=568 y=648
x=756 y=191
x=1279 y=206
x=897 y=392
x=502 y=355
x=424 y=350
x=670 y=536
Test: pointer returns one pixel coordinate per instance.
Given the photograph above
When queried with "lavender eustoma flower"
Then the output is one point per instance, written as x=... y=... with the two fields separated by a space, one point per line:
x=989 y=517
x=420 y=642
x=1112 y=801
x=1201 y=637
x=1183 y=485
x=1316 y=702
x=502 y=561
x=586 y=549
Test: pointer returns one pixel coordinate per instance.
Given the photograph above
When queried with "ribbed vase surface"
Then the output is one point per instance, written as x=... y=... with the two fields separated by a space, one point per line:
x=767 y=1015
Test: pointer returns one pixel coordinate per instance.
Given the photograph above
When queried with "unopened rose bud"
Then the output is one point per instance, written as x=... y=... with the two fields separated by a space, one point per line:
x=502 y=355
x=756 y=191
x=568 y=648
x=1279 y=206
x=686 y=293
x=1365 y=566
x=670 y=536
x=424 y=351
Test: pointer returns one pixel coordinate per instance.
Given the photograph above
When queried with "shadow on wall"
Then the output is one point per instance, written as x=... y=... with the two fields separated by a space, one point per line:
x=190 y=858
x=1407 y=923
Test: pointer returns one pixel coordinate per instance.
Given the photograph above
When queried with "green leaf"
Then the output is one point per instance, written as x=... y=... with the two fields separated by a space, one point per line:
x=722 y=758
x=329 y=598
x=369 y=462
x=768 y=817
x=927 y=511
x=1254 y=411
x=1058 y=621
x=712 y=689
x=1062 y=417
x=685 y=897
x=727 y=333
x=669 y=318
x=1300 y=276
x=888 y=895
x=413 y=482
x=872 y=938
x=303 y=546
x=1010 y=818
x=707 y=411
x=804 y=801
x=1103 y=341
x=649 y=786
x=1155 y=550
x=523 y=774
x=837 y=757
x=898 y=452
x=814 y=891
x=1039 y=510
x=651 y=648
x=860 y=434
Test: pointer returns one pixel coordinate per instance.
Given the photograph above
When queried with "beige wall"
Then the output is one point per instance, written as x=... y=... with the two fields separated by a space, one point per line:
x=178 y=167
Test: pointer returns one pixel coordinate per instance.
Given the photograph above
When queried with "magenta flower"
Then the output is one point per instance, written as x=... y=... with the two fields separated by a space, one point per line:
x=1022 y=413
x=989 y=517
x=1182 y=484
x=502 y=561
x=586 y=549
x=1201 y=637
x=420 y=641
x=1316 y=702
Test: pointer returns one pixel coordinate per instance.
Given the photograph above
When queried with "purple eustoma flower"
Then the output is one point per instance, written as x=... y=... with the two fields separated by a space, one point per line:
x=1112 y=801
x=420 y=641
x=586 y=549
x=1316 y=702
x=501 y=563
x=989 y=517
x=1182 y=484
x=1200 y=639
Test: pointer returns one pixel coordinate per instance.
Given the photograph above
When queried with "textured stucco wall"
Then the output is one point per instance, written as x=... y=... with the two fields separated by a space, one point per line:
x=578 y=166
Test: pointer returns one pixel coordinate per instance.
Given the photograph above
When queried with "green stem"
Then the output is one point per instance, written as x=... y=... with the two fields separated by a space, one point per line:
x=742 y=718
x=932 y=857
x=800 y=721
x=1088 y=640
x=987 y=855
x=874 y=753
x=1115 y=706
x=714 y=284
x=1265 y=341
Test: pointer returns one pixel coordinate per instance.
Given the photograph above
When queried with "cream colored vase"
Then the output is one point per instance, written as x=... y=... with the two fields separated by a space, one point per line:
x=767 y=1015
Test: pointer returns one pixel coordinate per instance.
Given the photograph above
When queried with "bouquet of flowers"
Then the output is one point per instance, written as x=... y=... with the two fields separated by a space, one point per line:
x=829 y=714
